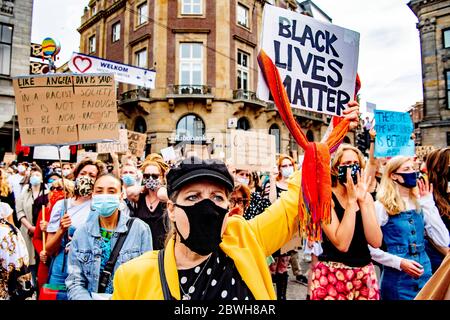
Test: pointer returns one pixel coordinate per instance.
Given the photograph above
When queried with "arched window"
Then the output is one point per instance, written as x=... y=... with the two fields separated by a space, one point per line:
x=275 y=130
x=310 y=136
x=140 y=125
x=190 y=126
x=243 y=124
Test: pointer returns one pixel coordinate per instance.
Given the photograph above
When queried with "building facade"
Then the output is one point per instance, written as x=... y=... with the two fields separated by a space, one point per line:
x=434 y=29
x=416 y=113
x=204 y=53
x=15 y=38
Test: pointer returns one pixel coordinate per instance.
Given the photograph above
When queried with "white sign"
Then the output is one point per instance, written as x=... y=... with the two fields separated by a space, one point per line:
x=168 y=154
x=81 y=63
x=317 y=61
x=81 y=154
x=119 y=147
x=370 y=107
x=51 y=153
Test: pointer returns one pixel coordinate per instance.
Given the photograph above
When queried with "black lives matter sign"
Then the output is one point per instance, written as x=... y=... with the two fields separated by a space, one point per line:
x=317 y=61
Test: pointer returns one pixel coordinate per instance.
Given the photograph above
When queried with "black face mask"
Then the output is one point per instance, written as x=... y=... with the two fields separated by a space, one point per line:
x=205 y=225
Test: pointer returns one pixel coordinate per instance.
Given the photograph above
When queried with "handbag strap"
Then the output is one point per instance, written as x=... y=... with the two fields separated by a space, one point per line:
x=162 y=276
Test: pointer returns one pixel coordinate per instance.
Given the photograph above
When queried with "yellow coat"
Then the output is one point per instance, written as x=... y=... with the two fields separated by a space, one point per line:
x=247 y=243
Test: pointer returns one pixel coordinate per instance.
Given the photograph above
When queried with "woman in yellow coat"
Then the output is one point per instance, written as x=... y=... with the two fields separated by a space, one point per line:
x=209 y=255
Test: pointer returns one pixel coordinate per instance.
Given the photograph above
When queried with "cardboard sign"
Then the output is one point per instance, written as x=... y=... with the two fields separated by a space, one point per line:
x=422 y=151
x=118 y=147
x=81 y=63
x=81 y=154
x=66 y=109
x=250 y=150
x=394 y=131
x=51 y=153
x=317 y=61
x=136 y=143
x=9 y=157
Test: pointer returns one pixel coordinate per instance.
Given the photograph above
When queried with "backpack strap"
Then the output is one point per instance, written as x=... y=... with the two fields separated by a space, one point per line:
x=105 y=275
x=162 y=276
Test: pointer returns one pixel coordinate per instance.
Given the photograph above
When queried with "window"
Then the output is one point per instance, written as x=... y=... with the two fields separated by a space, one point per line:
x=94 y=10
x=142 y=13
x=191 y=64
x=448 y=139
x=242 y=16
x=242 y=70
x=275 y=131
x=140 y=58
x=446 y=36
x=192 y=7
x=447 y=73
x=140 y=125
x=310 y=136
x=92 y=45
x=116 y=32
x=6 y=32
x=190 y=126
x=243 y=124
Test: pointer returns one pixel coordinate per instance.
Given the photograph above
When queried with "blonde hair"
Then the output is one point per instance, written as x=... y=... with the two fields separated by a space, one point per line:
x=69 y=187
x=389 y=194
x=280 y=161
x=336 y=161
x=5 y=189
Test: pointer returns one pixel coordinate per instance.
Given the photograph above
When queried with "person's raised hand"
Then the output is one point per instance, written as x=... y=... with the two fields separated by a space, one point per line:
x=425 y=188
x=352 y=114
x=66 y=222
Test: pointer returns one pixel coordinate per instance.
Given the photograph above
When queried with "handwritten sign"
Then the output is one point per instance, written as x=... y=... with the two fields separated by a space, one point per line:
x=136 y=143
x=66 y=109
x=422 y=151
x=82 y=154
x=317 y=61
x=9 y=157
x=394 y=131
x=250 y=150
x=118 y=147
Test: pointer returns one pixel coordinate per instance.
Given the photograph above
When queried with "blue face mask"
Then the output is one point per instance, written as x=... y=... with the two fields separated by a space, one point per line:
x=410 y=179
x=129 y=180
x=105 y=204
x=287 y=172
x=35 y=181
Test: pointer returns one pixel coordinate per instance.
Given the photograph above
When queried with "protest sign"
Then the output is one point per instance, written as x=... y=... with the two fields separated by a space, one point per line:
x=168 y=154
x=81 y=63
x=422 y=151
x=250 y=150
x=51 y=153
x=9 y=157
x=81 y=154
x=370 y=107
x=118 y=147
x=317 y=61
x=63 y=109
x=136 y=143
x=394 y=131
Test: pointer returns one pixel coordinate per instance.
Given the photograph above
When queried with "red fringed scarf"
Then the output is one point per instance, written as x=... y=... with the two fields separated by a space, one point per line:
x=315 y=207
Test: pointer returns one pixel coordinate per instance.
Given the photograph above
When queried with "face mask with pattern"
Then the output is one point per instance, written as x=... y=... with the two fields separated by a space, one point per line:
x=84 y=185
x=152 y=184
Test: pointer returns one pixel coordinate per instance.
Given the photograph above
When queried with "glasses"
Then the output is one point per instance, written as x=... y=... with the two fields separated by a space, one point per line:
x=148 y=175
x=234 y=202
x=56 y=188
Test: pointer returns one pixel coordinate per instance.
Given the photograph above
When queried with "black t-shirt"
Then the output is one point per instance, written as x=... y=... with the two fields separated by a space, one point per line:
x=358 y=254
x=156 y=220
x=214 y=279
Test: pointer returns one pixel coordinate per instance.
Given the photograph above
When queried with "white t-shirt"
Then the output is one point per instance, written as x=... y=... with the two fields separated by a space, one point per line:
x=78 y=214
x=5 y=210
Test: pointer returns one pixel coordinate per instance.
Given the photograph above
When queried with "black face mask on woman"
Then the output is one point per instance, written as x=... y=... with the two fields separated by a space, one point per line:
x=205 y=226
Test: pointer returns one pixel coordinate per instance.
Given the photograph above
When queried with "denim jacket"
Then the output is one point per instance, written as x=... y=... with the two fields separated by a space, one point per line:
x=85 y=254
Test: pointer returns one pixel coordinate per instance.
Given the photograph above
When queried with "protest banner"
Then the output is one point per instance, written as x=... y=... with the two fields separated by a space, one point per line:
x=422 y=151
x=317 y=61
x=51 y=153
x=66 y=109
x=118 y=147
x=9 y=157
x=250 y=150
x=136 y=143
x=81 y=154
x=81 y=63
x=394 y=131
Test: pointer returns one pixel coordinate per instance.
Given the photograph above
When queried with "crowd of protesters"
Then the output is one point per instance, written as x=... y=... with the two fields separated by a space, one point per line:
x=198 y=229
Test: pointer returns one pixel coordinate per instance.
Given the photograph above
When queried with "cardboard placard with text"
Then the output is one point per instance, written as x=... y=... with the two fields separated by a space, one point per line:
x=81 y=154
x=118 y=147
x=9 y=157
x=250 y=150
x=317 y=61
x=66 y=109
x=136 y=143
x=422 y=151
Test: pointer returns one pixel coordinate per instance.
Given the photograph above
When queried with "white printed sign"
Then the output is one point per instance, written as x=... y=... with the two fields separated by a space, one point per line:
x=317 y=61
x=51 y=153
x=81 y=63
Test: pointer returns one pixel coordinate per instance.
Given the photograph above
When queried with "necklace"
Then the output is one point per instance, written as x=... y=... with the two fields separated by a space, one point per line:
x=186 y=296
x=151 y=203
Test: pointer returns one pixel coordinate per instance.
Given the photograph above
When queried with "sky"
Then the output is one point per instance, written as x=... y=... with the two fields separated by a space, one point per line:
x=389 y=58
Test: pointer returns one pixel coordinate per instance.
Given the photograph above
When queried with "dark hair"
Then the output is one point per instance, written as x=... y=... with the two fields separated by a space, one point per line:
x=438 y=169
x=108 y=175
x=86 y=162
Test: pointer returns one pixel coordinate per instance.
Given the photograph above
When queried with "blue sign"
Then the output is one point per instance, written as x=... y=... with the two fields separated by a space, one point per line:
x=394 y=131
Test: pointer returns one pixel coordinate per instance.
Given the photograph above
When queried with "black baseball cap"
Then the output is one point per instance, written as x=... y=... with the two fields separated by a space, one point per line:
x=194 y=168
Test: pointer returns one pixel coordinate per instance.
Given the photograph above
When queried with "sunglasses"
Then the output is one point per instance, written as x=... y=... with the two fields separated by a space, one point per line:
x=56 y=188
x=233 y=202
x=148 y=175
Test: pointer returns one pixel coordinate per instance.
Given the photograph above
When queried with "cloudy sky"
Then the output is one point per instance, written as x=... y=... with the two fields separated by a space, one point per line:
x=389 y=61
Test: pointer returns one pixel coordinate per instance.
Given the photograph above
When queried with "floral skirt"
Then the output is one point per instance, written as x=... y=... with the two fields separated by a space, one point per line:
x=337 y=281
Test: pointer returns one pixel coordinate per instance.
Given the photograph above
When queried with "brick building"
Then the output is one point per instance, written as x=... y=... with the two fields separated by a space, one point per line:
x=434 y=28
x=205 y=57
